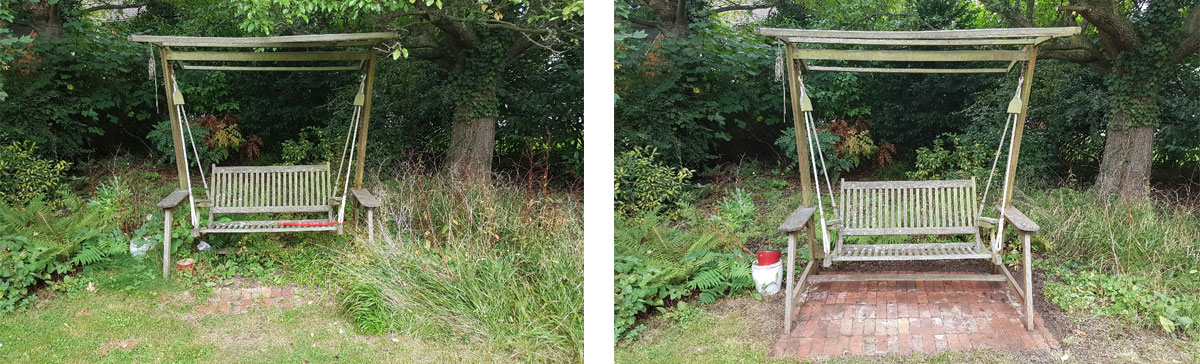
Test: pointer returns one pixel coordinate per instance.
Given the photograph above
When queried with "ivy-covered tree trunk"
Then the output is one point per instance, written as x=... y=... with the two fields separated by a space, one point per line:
x=473 y=135
x=1133 y=91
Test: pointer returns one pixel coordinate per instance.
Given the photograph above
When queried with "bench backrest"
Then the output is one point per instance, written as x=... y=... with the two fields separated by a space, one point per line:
x=246 y=189
x=908 y=207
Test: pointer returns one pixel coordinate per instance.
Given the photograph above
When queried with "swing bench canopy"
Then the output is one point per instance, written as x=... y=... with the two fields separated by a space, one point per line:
x=300 y=189
x=939 y=208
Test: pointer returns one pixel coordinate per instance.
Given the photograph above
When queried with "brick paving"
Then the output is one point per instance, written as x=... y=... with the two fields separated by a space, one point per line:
x=235 y=299
x=880 y=318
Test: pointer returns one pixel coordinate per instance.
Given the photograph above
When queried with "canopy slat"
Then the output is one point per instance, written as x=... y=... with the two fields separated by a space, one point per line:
x=924 y=34
x=179 y=41
x=907 y=70
x=268 y=56
x=911 y=56
x=270 y=69
x=915 y=42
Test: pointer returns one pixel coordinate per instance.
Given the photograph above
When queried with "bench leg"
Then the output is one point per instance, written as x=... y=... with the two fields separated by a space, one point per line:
x=166 y=242
x=791 y=284
x=1028 y=281
x=370 y=224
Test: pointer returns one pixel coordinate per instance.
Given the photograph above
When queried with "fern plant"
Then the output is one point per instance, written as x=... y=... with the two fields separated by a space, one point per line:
x=718 y=274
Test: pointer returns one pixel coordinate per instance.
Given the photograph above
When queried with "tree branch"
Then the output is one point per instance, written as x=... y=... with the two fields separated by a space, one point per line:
x=111 y=7
x=1116 y=31
x=741 y=7
x=1189 y=35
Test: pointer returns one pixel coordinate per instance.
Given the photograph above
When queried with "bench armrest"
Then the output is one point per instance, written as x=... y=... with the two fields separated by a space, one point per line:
x=173 y=200
x=797 y=219
x=364 y=198
x=986 y=222
x=1020 y=221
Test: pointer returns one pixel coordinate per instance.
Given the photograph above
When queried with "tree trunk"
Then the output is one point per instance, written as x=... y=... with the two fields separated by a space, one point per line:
x=45 y=19
x=473 y=137
x=1128 y=155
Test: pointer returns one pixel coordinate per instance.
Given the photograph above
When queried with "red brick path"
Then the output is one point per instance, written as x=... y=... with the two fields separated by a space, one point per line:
x=875 y=318
x=233 y=299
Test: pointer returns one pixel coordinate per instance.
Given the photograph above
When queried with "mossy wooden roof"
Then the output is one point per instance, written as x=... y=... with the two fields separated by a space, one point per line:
x=969 y=45
x=318 y=48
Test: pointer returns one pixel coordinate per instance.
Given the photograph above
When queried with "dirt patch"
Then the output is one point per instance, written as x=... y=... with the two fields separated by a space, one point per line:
x=246 y=335
x=123 y=345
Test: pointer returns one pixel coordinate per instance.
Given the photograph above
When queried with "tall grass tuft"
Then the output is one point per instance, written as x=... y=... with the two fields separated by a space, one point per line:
x=1157 y=242
x=477 y=262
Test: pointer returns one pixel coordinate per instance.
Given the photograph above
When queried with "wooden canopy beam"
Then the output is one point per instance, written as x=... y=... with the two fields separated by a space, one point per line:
x=923 y=34
x=910 y=55
x=335 y=40
x=269 y=69
x=915 y=42
x=907 y=70
x=269 y=56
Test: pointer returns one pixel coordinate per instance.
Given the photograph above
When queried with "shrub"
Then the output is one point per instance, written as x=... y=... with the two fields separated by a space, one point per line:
x=24 y=263
x=656 y=263
x=845 y=145
x=24 y=175
x=1129 y=298
x=312 y=146
x=642 y=184
x=961 y=161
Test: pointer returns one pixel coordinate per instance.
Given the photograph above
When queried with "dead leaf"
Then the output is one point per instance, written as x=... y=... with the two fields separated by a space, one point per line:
x=82 y=312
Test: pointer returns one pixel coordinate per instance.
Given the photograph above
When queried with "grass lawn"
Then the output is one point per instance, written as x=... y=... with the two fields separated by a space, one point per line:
x=134 y=316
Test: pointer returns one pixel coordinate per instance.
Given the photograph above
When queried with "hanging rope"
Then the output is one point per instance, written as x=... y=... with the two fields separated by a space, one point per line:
x=346 y=146
x=188 y=123
x=810 y=129
x=1014 y=105
x=1014 y=108
x=177 y=98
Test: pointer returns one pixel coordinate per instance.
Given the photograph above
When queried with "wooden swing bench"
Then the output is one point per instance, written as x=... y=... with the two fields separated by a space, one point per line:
x=272 y=189
x=906 y=208
x=291 y=190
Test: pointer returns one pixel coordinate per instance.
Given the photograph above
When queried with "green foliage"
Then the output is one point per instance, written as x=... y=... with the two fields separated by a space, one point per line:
x=40 y=239
x=1129 y=298
x=736 y=211
x=959 y=162
x=656 y=263
x=687 y=98
x=312 y=146
x=718 y=275
x=643 y=184
x=367 y=310
x=639 y=288
x=72 y=93
x=24 y=175
x=481 y=262
x=24 y=263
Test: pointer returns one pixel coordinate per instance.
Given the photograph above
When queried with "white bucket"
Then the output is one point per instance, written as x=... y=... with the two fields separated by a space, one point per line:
x=767 y=278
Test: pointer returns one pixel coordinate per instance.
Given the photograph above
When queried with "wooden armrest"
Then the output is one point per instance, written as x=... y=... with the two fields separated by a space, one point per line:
x=203 y=202
x=364 y=198
x=1020 y=221
x=986 y=222
x=797 y=219
x=173 y=199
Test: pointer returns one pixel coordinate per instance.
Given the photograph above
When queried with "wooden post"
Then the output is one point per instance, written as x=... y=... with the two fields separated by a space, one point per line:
x=814 y=251
x=166 y=242
x=791 y=283
x=1019 y=129
x=364 y=122
x=1028 y=281
x=176 y=131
